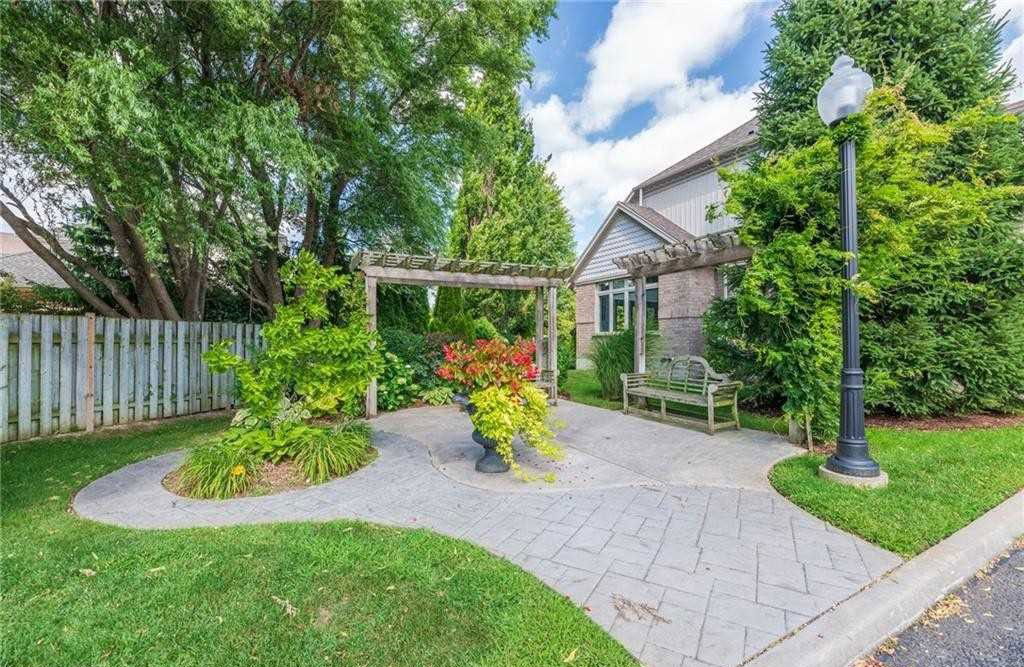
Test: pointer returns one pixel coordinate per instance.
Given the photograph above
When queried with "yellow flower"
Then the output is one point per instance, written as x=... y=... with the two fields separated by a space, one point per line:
x=238 y=470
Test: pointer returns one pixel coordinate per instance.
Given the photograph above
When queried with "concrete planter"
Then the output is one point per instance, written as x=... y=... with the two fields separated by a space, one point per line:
x=491 y=461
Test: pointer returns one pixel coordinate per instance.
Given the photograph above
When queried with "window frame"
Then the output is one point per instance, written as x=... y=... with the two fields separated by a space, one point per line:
x=627 y=288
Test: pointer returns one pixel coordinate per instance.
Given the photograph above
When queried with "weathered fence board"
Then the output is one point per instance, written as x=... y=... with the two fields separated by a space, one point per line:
x=67 y=373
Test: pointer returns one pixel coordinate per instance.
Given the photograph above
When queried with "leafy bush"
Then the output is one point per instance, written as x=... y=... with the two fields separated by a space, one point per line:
x=566 y=355
x=440 y=395
x=451 y=315
x=229 y=466
x=941 y=275
x=224 y=468
x=314 y=357
x=397 y=387
x=484 y=330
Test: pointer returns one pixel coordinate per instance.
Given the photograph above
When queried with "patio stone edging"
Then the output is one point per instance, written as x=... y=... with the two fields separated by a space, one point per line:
x=854 y=627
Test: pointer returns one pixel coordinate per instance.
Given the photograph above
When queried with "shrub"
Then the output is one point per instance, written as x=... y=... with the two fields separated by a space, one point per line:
x=483 y=329
x=397 y=387
x=223 y=468
x=229 y=466
x=566 y=354
x=941 y=266
x=439 y=395
x=314 y=357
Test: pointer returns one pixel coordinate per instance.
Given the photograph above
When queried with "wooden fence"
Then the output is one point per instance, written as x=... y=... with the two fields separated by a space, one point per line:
x=68 y=373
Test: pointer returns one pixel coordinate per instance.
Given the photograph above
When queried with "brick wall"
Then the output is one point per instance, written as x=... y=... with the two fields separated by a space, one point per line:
x=683 y=298
x=585 y=295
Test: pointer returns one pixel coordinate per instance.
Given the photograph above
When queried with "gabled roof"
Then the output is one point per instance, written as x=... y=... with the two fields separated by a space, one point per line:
x=660 y=223
x=647 y=217
x=1016 y=108
x=26 y=269
x=731 y=143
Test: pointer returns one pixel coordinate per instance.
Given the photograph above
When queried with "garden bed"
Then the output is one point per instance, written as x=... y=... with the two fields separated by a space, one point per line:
x=951 y=422
x=271 y=478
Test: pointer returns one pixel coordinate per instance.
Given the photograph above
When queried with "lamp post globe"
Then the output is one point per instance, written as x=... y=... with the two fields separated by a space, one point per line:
x=843 y=94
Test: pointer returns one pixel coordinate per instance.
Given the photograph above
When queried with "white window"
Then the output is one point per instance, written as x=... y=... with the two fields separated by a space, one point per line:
x=723 y=279
x=616 y=305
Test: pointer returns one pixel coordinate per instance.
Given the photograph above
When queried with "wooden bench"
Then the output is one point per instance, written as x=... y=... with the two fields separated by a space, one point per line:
x=689 y=380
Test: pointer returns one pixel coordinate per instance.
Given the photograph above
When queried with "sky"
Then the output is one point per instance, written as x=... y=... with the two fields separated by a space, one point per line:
x=622 y=90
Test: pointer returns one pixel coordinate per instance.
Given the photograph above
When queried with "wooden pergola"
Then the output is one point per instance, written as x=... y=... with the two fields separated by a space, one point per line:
x=544 y=281
x=703 y=251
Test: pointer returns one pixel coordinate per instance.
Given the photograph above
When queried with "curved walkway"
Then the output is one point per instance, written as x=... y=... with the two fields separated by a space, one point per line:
x=673 y=566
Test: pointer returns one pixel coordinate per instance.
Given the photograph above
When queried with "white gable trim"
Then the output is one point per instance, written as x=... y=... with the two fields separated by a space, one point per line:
x=602 y=232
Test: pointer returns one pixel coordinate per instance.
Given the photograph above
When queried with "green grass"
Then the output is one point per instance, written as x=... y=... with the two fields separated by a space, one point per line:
x=582 y=386
x=939 y=481
x=361 y=594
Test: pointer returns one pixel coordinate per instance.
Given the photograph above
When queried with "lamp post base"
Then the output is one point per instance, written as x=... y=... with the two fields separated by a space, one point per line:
x=876 y=482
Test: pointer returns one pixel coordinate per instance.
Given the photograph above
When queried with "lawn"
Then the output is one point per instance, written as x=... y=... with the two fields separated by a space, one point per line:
x=939 y=481
x=582 y=386
x=81 y=593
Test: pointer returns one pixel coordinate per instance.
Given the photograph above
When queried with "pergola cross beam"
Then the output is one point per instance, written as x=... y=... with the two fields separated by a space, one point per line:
x=403 y=269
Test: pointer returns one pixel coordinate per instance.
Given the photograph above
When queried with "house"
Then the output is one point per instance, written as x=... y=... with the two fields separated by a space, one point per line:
x=667 y=209
x=23 y=267
x=667 y=213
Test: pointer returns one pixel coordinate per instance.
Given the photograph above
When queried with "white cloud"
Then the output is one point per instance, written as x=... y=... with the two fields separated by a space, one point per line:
x=542 y=78
x=594 y=174
x=647 y=55
x=648 y=47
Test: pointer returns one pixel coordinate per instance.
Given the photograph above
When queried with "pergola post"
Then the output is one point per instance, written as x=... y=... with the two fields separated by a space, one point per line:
x=640 y=326
x=371 y=324
x=538 y=314
x=552 y=361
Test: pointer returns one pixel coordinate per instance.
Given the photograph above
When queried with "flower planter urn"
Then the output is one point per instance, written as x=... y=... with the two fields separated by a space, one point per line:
x=491 y=461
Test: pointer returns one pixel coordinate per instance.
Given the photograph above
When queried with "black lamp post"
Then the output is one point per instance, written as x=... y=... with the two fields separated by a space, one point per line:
x=843 y=94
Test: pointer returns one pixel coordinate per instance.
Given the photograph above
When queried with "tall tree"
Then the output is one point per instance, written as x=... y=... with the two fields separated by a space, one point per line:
x=509 y=207
x=944 y=53
x=940 y=199
x=211 y=136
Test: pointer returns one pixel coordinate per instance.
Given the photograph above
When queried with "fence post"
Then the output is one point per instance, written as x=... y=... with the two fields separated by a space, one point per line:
x=4 y=363
x=90 y=376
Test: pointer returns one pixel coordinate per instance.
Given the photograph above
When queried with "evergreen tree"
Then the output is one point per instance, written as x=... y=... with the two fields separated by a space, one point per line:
x=509 y=208
x=944 y=53
x=941 y=267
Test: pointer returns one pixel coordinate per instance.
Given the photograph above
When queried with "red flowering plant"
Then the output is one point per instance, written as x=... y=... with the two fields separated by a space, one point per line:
x=499 y=378
x=490 y=363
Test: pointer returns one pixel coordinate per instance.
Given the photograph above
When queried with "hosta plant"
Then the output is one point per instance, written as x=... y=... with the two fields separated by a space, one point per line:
x=498 y=377
x=440 y=395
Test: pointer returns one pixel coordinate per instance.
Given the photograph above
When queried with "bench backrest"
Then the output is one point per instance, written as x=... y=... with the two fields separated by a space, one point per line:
x=689 y=374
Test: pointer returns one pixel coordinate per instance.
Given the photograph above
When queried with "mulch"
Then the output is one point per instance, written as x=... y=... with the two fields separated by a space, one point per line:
x=950 y=423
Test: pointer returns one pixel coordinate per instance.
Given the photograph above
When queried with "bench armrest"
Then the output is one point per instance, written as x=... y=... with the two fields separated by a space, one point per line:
x=725 y=387
x=634 y=379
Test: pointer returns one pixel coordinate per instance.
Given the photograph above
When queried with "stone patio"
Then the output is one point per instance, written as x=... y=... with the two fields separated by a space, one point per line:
x=670 y=539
